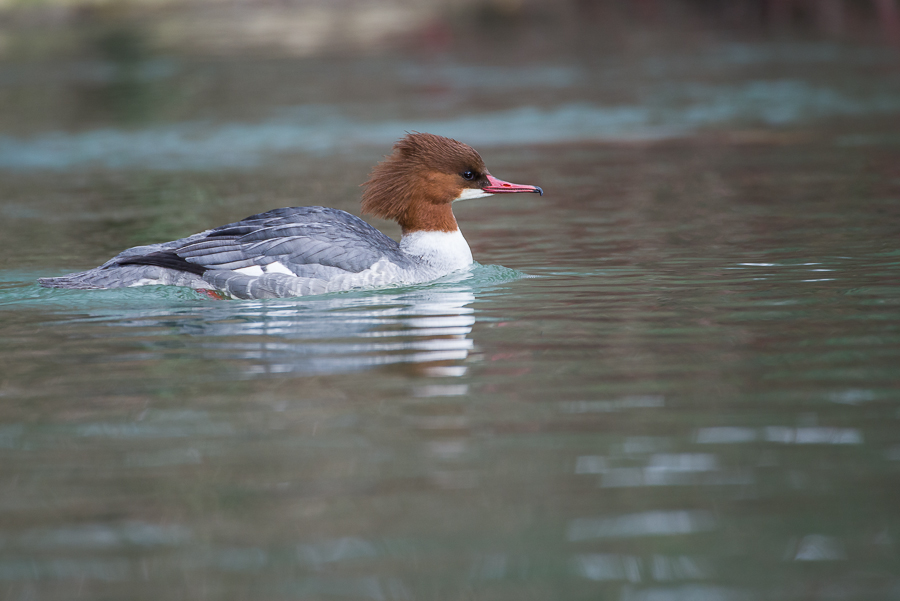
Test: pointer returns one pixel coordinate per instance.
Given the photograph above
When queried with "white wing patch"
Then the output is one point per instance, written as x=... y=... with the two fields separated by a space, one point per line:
x=277 y=267
x=252 y=270
x=256 y=270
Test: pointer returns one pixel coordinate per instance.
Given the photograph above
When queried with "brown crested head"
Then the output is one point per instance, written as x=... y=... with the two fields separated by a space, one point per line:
x=416 y=184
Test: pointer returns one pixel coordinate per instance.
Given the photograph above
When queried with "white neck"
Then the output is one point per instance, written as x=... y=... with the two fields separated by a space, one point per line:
x=445 y=251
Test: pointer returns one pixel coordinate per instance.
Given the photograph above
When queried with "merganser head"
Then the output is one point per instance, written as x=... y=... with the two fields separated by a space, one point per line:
x=416 y=184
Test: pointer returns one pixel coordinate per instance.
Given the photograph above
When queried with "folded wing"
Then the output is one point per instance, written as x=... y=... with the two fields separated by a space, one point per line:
x=310 y=242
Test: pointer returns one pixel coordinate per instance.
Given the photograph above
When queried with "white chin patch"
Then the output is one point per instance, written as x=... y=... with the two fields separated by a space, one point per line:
x=470 y=193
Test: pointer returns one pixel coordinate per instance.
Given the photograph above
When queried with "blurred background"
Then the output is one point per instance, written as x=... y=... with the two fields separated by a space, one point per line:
x=672 y=377
x=73 y=65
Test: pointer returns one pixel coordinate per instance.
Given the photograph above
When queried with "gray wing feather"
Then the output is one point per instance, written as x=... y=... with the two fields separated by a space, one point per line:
x=298 y=238
x=315 y=243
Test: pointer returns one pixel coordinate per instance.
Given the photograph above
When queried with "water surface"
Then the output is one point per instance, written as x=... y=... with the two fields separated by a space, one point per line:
x=674 y=376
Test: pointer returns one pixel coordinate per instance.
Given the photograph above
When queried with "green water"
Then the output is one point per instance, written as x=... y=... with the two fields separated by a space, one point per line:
x=675 y=376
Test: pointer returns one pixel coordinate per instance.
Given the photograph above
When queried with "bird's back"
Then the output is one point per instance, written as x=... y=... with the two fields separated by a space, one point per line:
x=314 y=243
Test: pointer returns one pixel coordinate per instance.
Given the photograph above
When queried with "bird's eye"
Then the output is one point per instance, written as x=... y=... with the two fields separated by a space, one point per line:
x=468 y=175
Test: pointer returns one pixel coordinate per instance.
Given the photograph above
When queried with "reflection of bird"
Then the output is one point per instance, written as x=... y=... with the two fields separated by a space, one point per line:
x=311 y=250
x=426 y=326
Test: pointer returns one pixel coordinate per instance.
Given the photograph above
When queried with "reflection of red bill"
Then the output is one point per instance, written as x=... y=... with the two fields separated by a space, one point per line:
x=213 y=294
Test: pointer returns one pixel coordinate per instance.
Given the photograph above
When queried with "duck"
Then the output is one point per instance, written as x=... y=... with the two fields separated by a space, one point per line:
x=302 y=251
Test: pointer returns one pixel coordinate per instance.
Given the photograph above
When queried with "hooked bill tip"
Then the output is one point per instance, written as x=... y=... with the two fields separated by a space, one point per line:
x=539 y=190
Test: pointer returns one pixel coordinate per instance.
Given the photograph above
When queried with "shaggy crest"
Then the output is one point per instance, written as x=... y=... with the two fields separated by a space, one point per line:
x=411 y=169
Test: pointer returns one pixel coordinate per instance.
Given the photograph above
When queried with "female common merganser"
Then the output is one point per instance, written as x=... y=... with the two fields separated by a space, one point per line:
x=299 y=251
